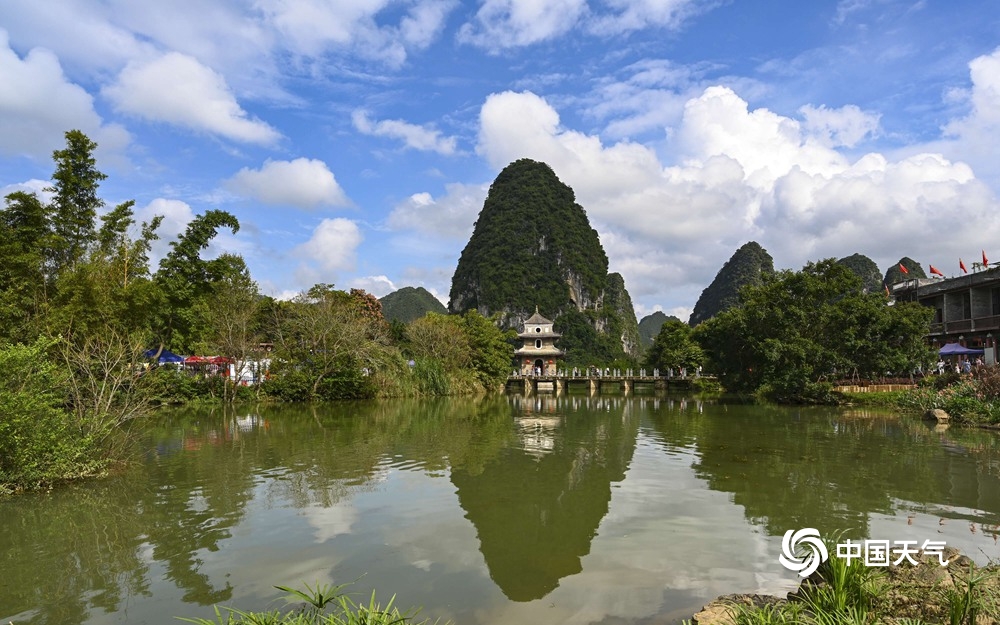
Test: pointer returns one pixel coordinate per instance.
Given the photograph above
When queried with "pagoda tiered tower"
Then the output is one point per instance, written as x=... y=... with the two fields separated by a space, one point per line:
x=538 y=355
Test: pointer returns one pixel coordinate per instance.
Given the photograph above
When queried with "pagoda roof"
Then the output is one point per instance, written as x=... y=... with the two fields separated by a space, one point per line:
x=539 y=351
x=536 y=319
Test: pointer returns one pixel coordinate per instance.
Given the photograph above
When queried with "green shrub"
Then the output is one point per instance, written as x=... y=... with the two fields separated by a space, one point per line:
x=431 y=377
x=41 y=442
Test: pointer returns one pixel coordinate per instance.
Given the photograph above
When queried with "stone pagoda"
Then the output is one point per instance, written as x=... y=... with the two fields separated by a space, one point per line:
x=539 y=354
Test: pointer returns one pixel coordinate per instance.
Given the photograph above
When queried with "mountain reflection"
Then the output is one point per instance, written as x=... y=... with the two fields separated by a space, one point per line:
x=534 y=476
x=833 y=469
x=536 y=506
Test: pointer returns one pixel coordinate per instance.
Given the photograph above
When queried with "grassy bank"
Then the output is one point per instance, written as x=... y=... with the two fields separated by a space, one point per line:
x=968 y=399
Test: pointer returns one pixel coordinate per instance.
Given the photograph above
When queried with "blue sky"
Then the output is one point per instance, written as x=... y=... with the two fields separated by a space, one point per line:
x=356 y=140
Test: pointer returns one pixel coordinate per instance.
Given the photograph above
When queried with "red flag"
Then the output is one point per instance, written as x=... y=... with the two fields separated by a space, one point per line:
x=902 y=268
x=886 y=289
x=961 y=266
x=936 y=270
x=986 y=263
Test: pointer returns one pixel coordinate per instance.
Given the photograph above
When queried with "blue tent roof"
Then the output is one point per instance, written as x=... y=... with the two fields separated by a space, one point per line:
x=954 y=349
x=165 y=356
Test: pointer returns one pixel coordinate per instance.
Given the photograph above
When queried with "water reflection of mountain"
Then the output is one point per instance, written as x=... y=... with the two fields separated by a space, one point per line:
x=536 y=506
x=831 y=469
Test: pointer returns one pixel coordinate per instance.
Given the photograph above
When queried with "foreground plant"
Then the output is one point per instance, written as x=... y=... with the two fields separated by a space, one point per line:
x=967 y=598
x=850 y=588
x=326 y=605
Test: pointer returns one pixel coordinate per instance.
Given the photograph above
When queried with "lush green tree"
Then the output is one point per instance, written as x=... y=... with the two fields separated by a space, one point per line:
x=185 y=280
x=129 y=255
x=233 y=321
x=329 y=345
x=38 y=443
x=63 y=405
x=109 y=286
x=491 y=348
x=748 y=265
x=674 y=348
x=75 y=200
x=25 y=234
x=796 y=331
x=442 y=338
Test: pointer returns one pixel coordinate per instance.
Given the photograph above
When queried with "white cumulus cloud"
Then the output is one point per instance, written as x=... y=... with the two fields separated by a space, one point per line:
x=973 y=137
x=503 y=24
x=333 y=245
x=313 y=27
x=846 y=126
x=303 y=183
x=379 y=286
x=449 y=216
x=178 y=89
x=422 y=138
x=38 y=104
x=34 y=185
x=630 y=15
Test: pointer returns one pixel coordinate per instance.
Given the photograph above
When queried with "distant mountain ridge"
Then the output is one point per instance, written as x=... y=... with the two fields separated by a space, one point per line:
x=409 y=304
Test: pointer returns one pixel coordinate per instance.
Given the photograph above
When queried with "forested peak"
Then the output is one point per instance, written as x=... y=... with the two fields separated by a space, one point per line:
x=746 y=266
x=408 y=304
x=532 y=245
x=913 y=270
x=523 y=171
x=649 y=326
x=866 y=269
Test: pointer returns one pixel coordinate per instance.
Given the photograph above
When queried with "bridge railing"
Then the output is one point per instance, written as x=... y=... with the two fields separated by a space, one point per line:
x=608 y=373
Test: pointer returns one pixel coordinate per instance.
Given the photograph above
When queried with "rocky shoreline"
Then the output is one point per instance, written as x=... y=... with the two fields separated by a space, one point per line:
x=921 y=593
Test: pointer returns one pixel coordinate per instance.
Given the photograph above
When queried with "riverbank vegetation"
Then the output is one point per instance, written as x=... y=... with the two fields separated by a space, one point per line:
x=851 y=592
x=794 y=333
x=971 y=399
x=84 y=318
x=320 y=605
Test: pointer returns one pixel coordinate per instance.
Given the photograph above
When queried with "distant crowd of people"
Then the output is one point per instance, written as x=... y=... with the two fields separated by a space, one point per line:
x=958 y=366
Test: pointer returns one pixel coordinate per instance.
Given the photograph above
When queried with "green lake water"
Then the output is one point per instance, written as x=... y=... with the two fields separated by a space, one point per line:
x=506 y=510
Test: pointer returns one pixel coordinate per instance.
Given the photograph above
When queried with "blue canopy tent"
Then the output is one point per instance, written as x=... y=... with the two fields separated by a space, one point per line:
x=954 y=349
x=166 y=356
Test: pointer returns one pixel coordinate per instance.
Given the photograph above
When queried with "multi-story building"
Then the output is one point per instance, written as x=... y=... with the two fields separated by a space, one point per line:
x=966 y=308
x=539 y=354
